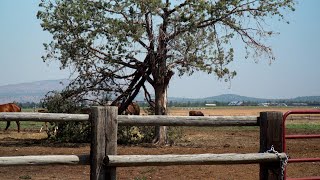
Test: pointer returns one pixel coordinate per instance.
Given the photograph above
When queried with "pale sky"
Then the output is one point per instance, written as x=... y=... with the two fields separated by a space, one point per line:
x=294 y=73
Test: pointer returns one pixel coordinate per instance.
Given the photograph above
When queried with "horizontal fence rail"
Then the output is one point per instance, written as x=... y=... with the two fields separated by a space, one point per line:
x=307 y=178
x=303 y=160
x=138 y=120
x=158 y=120
x=310 y=118
x=302 y=136
x=45 y=160
x=191 y=159
x=41 y=117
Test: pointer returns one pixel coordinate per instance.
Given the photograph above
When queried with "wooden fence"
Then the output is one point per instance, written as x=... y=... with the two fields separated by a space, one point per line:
x=103 y=158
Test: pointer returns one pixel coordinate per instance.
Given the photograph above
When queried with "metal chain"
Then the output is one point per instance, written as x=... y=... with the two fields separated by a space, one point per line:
x=283 y=162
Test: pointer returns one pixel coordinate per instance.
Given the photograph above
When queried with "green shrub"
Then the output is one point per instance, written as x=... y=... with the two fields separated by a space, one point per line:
x=135 y=134
x=67 y=131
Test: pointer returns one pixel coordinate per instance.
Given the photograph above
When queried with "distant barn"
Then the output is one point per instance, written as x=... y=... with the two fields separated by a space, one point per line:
x=235 y=103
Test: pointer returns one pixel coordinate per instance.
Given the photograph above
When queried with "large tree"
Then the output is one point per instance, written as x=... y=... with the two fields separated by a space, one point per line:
x=119 y=46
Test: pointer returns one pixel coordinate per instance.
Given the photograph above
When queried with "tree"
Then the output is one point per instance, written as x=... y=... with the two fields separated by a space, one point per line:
x=119 y=46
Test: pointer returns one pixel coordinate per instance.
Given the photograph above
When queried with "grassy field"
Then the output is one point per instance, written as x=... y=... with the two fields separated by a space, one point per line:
x=208 y=111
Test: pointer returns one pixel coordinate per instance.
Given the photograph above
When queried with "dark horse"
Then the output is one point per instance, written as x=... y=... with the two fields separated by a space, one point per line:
x=10 y=107
x=195 y=113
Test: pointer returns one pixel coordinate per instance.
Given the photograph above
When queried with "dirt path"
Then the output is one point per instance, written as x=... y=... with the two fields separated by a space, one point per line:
x=209 y=140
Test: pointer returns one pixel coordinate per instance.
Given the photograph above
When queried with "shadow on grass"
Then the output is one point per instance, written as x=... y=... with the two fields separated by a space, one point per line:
x=29 y=139
x=44 y=143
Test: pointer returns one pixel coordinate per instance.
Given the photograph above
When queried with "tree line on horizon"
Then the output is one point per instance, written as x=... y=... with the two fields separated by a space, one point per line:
x=29 y=105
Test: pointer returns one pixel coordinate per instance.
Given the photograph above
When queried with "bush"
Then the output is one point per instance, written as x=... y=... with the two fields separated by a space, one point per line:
x=145 y=134
x=67 y=131
x=135 y=134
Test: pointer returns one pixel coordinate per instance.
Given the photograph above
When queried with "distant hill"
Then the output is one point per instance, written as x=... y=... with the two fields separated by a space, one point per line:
x=30 y=92
x=35 y=91
x=234 y=97
x=307 y=99
x=226 y=98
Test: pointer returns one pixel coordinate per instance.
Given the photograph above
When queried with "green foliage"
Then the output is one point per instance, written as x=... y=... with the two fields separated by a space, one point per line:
x=67 y=131
x=28 y=104
x=75 y=132
x=135 y=134
x=145 y=134
x=55 y=102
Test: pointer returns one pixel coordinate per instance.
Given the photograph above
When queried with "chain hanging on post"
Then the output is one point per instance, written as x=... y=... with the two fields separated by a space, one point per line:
x=283 y=162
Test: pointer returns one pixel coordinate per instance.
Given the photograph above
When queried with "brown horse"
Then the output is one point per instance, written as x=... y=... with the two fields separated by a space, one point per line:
x=132 y=109
x=10 y=107
x=195 y=113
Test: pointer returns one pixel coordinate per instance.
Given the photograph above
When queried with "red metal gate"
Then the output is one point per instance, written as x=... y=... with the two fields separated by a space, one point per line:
x=299 y=136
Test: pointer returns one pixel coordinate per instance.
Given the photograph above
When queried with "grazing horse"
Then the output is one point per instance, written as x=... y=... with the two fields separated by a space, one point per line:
x=195 y=113
x=132 y=109
x=10 y=107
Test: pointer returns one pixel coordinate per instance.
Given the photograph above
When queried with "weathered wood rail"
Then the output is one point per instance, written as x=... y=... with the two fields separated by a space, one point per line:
x=138 y=120
x=45 y=160
x=103 y=159
x=42 y=117
x=191 y=159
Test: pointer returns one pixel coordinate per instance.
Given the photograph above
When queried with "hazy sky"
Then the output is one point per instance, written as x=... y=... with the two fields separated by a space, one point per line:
x=294 y=73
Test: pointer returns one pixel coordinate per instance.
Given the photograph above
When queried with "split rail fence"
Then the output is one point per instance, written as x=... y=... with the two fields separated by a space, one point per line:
x=103 y=158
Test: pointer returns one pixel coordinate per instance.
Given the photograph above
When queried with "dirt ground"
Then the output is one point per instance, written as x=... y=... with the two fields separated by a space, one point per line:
x=195 y=140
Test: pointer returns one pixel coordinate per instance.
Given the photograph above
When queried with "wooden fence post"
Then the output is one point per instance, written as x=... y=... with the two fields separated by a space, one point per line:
x=270 y=135
x=104 y=141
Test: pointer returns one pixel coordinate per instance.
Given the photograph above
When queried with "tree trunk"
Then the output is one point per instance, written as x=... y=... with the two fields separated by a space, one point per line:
x=160 y=109
x=162 y=76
